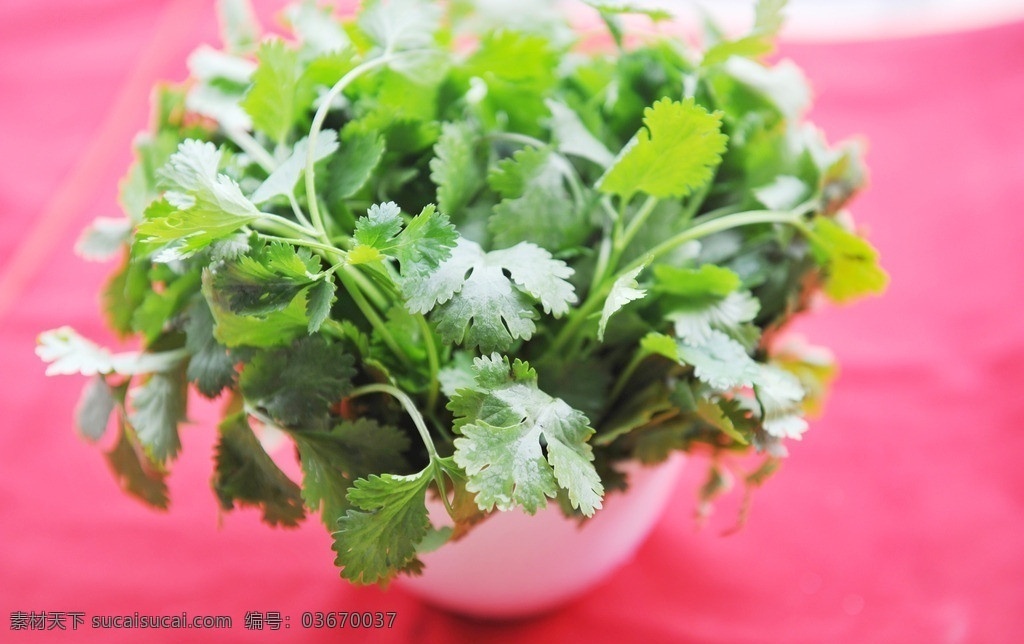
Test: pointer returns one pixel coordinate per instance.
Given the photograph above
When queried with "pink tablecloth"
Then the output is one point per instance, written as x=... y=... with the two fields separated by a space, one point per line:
x=900 y=517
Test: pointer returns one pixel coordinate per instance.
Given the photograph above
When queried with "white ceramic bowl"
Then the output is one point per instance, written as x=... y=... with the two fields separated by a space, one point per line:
x=514 y=565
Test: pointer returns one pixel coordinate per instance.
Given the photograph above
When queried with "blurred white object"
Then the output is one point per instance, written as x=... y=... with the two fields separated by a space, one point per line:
x=858 y=19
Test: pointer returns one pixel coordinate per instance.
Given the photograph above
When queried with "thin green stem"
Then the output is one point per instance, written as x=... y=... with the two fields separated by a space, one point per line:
x=252 y=147
x=302 y=242
x=624 y=377
x=371 y=315
x=433 y=361
x=417 y=419
x=297 y=228
x=597 y=296
x=407 y=404
x=370 y=289
x=635 y=225
x=318 y=123
x=297 y=211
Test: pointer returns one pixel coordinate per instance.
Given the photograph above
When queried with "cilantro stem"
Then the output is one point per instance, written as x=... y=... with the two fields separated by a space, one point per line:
x=638 y=221
x=318 y=123
x=252 y=147
x=299 y=215
x=301 y=242
x=598 y=295
x=297 y=228
x=433 y=362
x=345 y=275
x=421 y=427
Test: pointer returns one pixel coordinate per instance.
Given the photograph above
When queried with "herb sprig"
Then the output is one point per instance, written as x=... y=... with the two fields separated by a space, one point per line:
x=448 y=252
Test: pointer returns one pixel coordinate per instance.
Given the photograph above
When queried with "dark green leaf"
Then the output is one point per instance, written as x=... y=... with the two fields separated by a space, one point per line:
x=297 y=385
x=246 y=475
x=209 y=365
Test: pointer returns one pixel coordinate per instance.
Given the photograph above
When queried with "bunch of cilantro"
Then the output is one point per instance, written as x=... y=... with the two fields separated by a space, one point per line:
x=443 y=247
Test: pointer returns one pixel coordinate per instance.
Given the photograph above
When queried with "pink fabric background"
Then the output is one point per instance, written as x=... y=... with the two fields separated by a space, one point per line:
x=900 y=517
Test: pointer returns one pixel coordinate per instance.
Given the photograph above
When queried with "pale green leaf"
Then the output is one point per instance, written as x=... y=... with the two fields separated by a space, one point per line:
x=675 y=153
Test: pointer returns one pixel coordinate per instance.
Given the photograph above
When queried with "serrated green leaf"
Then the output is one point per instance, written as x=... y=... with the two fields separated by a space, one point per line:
x=123 y=293
x=695 y=318
x=615 y=7
x=134 y=472
x=456 y=167
x=209 y=365
x=319 y=299
x=69 y=353
x=265 y=280
x=158 y=407
x=503 y=420
x=780 y=397
x=200 y=206
x=352 y=166
x=850 y=261
x=162 y=304
x=332 y=461
x=420 y=247
x=317 y=29
x=246 y=475
x=675 y=152
x=624 y=290
x=95 y=406
x=535 y=205
x=271 y=330
x=378 y=537
x=704 y=282
x=273 y=100
x=478 y=304
x=719 y=361
x=296 y=385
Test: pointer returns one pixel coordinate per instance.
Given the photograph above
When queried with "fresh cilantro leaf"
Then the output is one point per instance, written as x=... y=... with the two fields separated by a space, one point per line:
x=814 y=366
x=160 y=305
x=768 y=18
x=850 y=261
x=704 y=282
x=695 y=319
x=271 y=330
x=123 y=293
x=624 y=290
x=478 y=304
x=573 y=137
x=296 y=385
x=675 y=153
x=353 y=165
x=135 y=473
x=95 y=406
x=504 y=419
x=332 y=460
x=748 y=86
x=265 y=280
x=282 y=180
x=406 y=27
x=244 y=474
x=517 y=70
x=780 y=395
x=722 y=414
x=273 y=100
x=420 y=247
x=200 y=207
x=210 y=366
x=718 y=360
x=103 y=239
x=536 y=206
x=378 y=536
x=159 y=405
x=69 y=353
x=319 y=299
x=456 y=167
